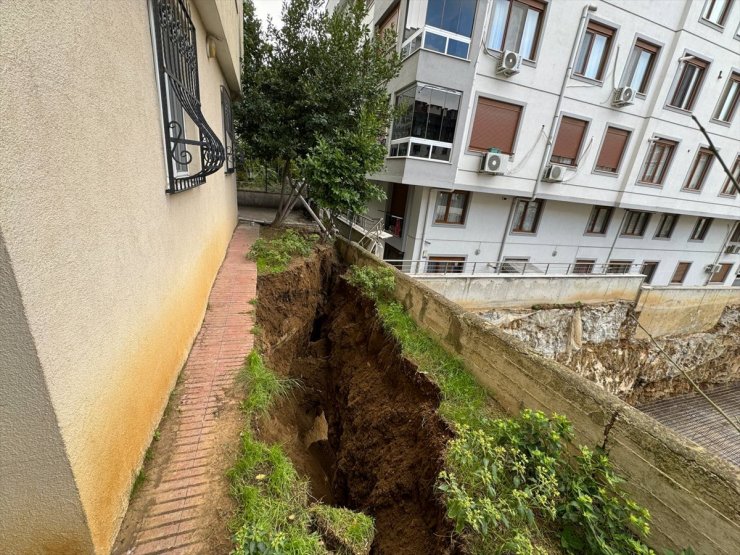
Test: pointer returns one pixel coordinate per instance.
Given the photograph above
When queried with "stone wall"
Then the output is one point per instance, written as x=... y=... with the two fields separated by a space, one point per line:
x=599 y=342
x=693 y=496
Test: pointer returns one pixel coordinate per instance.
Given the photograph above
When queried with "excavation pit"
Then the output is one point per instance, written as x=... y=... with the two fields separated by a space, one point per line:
x=362 y=424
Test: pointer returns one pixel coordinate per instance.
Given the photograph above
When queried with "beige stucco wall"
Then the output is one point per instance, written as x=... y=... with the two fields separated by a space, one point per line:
x=682 y=310
x=112 y=273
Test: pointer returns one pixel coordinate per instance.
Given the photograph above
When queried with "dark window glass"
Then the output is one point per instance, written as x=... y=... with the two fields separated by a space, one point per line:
x=635 y=223
x=666 y=226
x=648 y=270
x=701 y=229
x=598 y=222
x=699 y=170
x=455 y=16
x=691 y=76
x=446 y=265
x=659 y=155
x=728 y=188
x=618 y=267
x=584 y=266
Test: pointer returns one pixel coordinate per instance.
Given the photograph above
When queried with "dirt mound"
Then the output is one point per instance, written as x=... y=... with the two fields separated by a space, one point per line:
x=363 y=424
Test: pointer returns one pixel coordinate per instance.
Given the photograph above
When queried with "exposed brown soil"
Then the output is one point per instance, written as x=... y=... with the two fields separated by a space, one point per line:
x=363 y=423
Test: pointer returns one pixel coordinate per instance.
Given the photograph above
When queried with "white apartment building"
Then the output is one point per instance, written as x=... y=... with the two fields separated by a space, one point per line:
x=595 y=163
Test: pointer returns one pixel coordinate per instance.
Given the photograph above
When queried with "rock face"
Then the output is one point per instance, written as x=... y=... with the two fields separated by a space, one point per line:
x=597 y=341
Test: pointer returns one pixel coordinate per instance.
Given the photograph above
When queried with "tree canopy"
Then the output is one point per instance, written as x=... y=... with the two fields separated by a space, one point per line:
x=315 y=100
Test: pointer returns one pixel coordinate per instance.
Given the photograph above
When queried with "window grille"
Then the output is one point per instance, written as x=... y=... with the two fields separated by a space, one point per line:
x=177 y=61
x=228 y=130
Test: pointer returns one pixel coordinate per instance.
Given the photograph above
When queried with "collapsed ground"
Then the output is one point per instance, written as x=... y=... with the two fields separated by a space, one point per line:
x=362 y=424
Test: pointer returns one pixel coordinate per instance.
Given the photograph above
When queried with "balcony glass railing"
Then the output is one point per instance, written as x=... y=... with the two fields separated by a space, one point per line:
x=415 y=147
x=437 y=40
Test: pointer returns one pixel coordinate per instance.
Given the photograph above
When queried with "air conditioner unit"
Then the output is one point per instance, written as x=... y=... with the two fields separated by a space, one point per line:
x=494 y=162
x=712 y=268
x=510 y=63
x=732 y=249
x=554 y=173
x=623 y=96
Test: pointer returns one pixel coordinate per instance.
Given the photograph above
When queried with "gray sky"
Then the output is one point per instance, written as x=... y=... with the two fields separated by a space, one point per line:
x=272 y=8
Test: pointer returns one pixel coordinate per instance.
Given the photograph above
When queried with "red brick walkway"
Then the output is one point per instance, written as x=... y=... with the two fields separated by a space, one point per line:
x=169 y=509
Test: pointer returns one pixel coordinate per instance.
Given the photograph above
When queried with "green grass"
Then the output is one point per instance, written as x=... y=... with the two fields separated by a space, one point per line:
x=275 y=515
x=354 y=530
x=274 y=255
x=464 y=402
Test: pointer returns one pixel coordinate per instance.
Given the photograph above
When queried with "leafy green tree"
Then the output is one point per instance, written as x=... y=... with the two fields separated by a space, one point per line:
x=315 y=102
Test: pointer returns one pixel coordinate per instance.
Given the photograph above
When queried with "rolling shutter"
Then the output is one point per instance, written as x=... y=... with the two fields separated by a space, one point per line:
x=613 y=148
x=570 y=137
x=495 y=125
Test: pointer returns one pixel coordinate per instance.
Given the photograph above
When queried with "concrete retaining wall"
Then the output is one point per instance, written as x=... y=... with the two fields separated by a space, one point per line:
x=258 y=198
x=493 y=291
x=681 y=310
x=693 y=496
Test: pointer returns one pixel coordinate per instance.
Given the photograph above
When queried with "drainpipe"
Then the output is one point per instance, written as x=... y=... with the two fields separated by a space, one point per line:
x=506 y=234
x=721 y=250
x=551 y=135
x=619 y=231
x=424 y=229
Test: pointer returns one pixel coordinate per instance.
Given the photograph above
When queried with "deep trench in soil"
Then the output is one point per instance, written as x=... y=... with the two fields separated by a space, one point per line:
x=362 y=424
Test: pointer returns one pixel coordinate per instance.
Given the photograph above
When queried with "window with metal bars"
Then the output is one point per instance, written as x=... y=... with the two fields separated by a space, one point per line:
x=186 y=130
x=228 y=130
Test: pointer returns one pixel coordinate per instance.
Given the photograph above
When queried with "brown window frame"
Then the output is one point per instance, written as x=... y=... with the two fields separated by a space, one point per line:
x=692 y=93
x=701 y=153
x=723 y=16
x=517 y=227
x=480 y=104
x=723 y=273
x=614 y=131
x=556 y=158
x=734 y=78
x=537 y=5
x=651 y=274
x=735 y=237
x=594 y=217
x=445 y=220
x=662 y=223
x=701 y=228
x=652 y=49
x=728 y=189
x=642 y=220
x=657 y=178
x=685 y=266
x=618 y=266
x=584 y=266
x=594 y=28
x=393 y=12
x=434 y=263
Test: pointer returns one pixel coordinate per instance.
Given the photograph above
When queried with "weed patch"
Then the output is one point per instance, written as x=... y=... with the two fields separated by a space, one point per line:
x=504 y=477
x=275 y=515
x=274 y=255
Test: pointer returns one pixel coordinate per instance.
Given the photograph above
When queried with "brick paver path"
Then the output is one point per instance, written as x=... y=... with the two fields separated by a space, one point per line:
x=173 y=515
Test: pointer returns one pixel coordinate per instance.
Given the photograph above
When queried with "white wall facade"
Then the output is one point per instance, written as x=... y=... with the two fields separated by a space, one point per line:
x=677 y=27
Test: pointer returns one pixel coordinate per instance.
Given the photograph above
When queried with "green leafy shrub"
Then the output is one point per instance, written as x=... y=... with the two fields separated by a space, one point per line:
x=597 y=516
x=264 y=387
x=274 y=255
x=378 y=283
x=354 y=531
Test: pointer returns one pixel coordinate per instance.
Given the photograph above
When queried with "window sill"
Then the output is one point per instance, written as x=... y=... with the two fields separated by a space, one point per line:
x=712 y=24
x=605 y=173
x=693 y=191
x=593 y=234
x=448 y=224
x=678 y=110
x=594 y=82
x=524 y=233
x=724 y=195
x=651 y=185
x=661 y=238
x=721 y=122
x=695 y=241
x=625 y=236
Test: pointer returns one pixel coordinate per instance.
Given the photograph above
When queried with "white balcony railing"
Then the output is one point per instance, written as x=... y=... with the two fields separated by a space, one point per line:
x=436 y=40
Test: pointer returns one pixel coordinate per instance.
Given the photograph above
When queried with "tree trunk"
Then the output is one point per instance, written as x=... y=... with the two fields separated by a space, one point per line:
x=284 y=177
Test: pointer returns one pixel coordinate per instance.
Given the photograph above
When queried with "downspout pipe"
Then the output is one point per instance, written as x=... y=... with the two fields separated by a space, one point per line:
x=551 y=135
